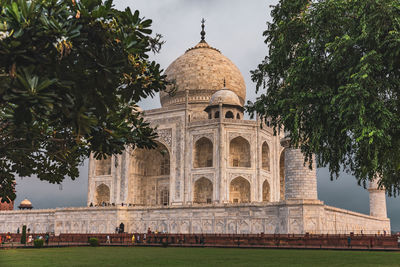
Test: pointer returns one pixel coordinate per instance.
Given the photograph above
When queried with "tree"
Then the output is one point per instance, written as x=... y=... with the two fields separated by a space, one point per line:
x=71 y=73
x=332 y=75
x=23 y=236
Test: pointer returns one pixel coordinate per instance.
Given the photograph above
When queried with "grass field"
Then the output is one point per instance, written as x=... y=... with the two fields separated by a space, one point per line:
x=140 y=256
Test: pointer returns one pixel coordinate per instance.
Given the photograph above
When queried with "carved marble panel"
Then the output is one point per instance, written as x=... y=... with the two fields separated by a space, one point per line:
x=247 y=176
x=165 y=136
x=209 y=135
x=209 y=176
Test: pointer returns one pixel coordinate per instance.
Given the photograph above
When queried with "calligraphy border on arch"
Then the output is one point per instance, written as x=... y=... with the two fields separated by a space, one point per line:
x=209 y=135
x=248 y=176
x=207 y=175
x=247 y=136
x=165 y=135
x=105 y=182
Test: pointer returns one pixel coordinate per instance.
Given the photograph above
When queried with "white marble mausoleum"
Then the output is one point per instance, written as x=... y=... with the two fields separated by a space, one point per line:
x=213 y=171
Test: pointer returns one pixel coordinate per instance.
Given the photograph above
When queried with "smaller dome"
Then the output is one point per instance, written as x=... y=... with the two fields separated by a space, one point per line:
x=226 y=97
x=25 y=203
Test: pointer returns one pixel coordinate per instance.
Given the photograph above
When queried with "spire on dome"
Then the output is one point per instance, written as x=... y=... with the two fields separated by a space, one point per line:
x=202 y=33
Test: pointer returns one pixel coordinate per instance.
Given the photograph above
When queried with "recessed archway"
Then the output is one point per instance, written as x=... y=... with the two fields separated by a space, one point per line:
x=239 y=190
x=282 y=175
x=203 y=153
x=229 y=115
x=266 y=191
x=102 y=194
x=239 y=152
x=203 y=191
x=265 y=156
x=149 y=177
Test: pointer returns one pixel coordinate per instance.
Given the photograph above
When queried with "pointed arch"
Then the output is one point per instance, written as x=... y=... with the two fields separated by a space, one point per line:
x=203 y=191
x=282 y=175
x=239 y=153
x=266 y=191
x=265 y=156
x=203 y=153
x=239 y=190
x=164 y=197
x=229 y=115
x=150 y=176
x=102 y=194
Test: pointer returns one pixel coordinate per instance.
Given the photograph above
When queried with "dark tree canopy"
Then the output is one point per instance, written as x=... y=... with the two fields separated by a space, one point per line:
x=71 y=73
x=332 y=75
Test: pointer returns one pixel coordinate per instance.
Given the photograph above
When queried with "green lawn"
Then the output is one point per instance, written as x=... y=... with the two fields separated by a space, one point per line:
x=140 y=256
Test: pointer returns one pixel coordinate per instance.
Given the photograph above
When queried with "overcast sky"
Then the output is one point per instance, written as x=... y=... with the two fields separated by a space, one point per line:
x=234 y=27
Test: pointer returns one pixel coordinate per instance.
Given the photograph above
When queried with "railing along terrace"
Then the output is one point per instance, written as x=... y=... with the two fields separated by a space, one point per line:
x=352 y=241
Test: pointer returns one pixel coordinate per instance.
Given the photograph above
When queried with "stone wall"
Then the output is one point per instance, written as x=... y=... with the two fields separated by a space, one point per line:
x=294 y=217
x=340 y=221
x=39 y=221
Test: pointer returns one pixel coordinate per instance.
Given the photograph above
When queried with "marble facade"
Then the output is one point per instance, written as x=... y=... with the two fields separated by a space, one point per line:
x=213 y=171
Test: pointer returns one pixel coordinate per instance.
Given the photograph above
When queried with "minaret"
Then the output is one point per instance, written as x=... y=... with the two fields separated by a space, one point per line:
x=300 y=180
x=377 y=200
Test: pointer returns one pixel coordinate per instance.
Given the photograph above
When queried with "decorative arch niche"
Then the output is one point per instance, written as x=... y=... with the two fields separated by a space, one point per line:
x=239 y=190
x=150 y=176
x=265 y=156
x=203 y=191
x=102 y=194
x=282 y=175
x=229 y=115
x=239 y=153
x=203 y=153
x=266 y=191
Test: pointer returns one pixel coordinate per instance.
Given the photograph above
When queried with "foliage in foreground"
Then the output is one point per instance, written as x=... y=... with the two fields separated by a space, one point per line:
x=38 y=243
x=70 y=74
x=332 y=75
x=94 y=242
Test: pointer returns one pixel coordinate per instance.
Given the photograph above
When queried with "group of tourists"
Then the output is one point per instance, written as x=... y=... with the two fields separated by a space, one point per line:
x=135 y=237
x=120 y=229
x=6 y=239
x=29 y=240
x=46 y=238
x=106 y=204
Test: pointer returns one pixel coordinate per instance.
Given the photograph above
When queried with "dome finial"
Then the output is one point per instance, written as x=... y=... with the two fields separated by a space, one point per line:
x=224 y=83
x=202 y=33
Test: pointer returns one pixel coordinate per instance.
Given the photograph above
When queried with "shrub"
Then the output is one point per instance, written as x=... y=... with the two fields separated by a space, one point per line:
x=94 y=242
x=23 y=237
x=38 y=243
x=164 y=241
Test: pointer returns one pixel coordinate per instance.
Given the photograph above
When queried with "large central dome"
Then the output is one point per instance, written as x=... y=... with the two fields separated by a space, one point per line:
x=202 y=70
